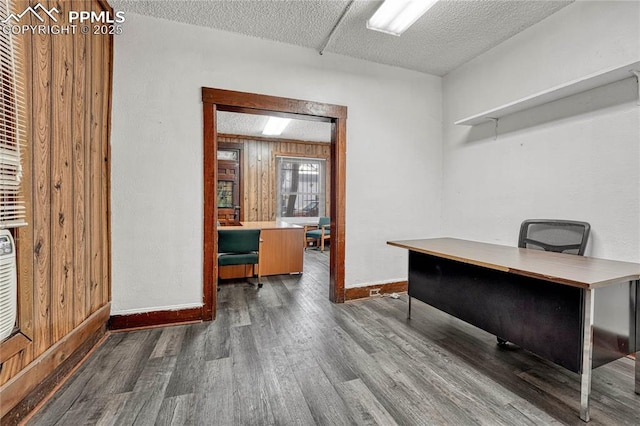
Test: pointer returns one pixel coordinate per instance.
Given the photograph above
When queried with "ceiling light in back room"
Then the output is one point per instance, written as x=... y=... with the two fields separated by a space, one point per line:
x=275 y=126
x=396 y=16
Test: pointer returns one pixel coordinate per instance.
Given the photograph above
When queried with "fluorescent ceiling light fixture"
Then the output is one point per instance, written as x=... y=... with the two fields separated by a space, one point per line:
x=395 y=16
x=275 y=126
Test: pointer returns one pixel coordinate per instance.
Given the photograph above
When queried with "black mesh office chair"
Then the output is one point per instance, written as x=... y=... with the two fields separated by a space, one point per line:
x=560 y=236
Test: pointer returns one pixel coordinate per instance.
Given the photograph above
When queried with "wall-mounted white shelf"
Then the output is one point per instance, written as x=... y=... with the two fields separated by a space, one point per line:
x=558 y=92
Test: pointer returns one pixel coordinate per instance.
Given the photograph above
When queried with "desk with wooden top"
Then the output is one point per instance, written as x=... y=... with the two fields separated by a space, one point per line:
x=281 y=250
x=541 y=301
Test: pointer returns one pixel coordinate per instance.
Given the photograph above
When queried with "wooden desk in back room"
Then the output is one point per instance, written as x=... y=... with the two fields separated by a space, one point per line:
x=281 y=251
x=540 y=301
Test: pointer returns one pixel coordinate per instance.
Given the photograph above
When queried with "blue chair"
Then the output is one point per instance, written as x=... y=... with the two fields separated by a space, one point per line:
x=320 y=234
x=240 y=247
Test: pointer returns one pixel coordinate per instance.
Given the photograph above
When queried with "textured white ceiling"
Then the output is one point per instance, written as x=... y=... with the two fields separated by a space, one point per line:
x=448 y=35
x=252 y=125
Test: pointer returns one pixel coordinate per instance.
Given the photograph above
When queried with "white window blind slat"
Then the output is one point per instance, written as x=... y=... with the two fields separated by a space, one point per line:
x=12 y=128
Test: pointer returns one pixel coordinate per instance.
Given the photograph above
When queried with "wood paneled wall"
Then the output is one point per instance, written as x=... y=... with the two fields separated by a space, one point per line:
x=64 y=252
x=259 y=170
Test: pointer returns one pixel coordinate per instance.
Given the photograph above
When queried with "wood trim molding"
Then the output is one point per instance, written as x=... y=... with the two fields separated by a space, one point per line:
x=14 y=344
x=226 y=100
x=35 y=381
x=364 y=292
x=210 y=242
x=338 y=209
x=28 y=406
x=267 y=139
x=230 y=99
x=154 y=318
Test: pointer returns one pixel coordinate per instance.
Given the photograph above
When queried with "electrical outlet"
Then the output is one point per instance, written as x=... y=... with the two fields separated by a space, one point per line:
x=374 y=292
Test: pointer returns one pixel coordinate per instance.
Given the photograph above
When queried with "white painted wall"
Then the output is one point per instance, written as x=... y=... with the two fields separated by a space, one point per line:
x=394 y=130
x=578 y=158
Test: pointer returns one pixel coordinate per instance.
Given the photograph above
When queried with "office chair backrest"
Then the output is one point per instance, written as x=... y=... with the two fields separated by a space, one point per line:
x=324 y=221
x=561 y=236
x=238 y=240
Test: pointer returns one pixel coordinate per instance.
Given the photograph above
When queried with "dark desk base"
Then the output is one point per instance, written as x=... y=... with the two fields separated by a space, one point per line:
x=552 y=320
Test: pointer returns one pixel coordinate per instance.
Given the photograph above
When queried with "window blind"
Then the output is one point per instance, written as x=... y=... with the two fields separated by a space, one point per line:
x=12 y=130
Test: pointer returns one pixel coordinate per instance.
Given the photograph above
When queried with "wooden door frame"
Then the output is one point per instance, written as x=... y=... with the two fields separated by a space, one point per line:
x=214 y=100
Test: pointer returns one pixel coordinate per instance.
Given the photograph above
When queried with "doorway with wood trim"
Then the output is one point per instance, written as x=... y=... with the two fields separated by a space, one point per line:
x=215 y=100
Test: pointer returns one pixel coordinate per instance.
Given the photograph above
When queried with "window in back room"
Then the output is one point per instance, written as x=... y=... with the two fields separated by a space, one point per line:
x=301 y=187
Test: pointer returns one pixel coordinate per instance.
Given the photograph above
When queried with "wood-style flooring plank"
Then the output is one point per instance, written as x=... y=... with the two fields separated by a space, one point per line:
x=218 y=331
x=327 y=354
x=251 y=402
x=109 y=415
x=215 y=399
x=189 y=370
x=364 y=406
x=285 y=396
x=144 y=402
x=177 y=410
x=262 y=328
x=285 y=355
x=237 y=305
x=322 y=397
x=170 y=341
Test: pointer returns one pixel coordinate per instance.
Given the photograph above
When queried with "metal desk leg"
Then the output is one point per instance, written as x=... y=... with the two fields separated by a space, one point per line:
x=638 y=372
x=587 y=352
x=409 y=311
x=635 y=287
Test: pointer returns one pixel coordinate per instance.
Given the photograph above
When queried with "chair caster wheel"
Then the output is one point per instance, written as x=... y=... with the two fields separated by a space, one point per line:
x=259 y=285
x=501 y=342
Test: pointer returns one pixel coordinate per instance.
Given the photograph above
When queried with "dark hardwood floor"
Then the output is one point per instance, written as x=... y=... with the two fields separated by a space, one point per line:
x=285 y=355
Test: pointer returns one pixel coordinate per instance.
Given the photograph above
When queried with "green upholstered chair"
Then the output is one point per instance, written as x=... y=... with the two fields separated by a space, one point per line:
x=321 y=233
x=240 y=247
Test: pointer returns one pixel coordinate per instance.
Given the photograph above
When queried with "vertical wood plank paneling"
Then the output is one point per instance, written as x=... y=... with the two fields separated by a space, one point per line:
x=265 y=154
x=255 y=169
x=248 y=184
x=62 y=181
x=64 y=266
x=107 y=52
x=25 y=235
x=87 y=104
x=106 y=187
x=95 y=175
x=25 y=259
x=251 y=187
x=260 y=177
x=80 y=183
x=41 y=135
x=271 y=184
